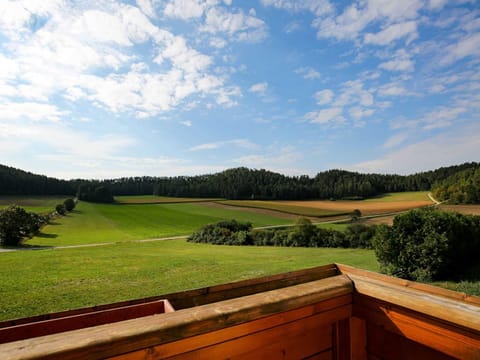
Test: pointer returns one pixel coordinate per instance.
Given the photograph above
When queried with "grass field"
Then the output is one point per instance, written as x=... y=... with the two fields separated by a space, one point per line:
x=99 y=223
x=152 y=199
x=284 y=207
x=36 y=282
x=38 y=204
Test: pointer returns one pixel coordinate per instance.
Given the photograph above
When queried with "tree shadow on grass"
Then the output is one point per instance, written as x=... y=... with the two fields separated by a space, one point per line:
x=46 y=236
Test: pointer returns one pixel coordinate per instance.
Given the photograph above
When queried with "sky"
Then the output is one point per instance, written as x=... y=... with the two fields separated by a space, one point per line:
x=106 y=89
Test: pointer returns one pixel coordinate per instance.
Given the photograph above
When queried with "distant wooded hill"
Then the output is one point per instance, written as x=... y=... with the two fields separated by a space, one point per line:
x=238 y=183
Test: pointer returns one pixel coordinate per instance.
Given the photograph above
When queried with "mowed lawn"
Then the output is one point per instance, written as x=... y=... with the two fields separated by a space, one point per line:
x=99 y=223
x=36 y=282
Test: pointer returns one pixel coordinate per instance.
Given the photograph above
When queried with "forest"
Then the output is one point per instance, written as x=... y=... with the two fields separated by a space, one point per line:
x=244 y=183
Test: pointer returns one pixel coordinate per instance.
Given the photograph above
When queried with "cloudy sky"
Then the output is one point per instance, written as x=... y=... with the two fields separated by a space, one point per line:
x=102 y=89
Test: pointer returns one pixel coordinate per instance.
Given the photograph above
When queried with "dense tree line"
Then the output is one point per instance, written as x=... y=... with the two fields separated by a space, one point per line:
x=460 y=188
x=18 y=182
x=243 y=183
x=238 y=183
x=303 y=234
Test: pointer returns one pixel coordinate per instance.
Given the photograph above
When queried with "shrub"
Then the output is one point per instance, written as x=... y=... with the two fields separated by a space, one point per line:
x=69 y=204
x=17 y=224
x=60 y=208
x=428 y=245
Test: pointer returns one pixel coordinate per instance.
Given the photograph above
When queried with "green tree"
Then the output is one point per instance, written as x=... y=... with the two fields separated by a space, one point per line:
x=69 y=204
x=428 y=245
x=16 y=224
x=60 y=208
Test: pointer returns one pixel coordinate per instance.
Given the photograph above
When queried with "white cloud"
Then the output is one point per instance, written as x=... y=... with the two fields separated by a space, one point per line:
x=437 y=4
x=317 y=7
x=356 y=17
x=392 y=89
x=188 y=9
x=82 y=54
x=443 y=150
x=241 y=143
x=259 y=88
x=395 y=140
x=393 y=32
x=147 y=7
x=186 y=123
x=358 y=112
x=353 y=92
x=308 y=73
x=401 y=61
x=324 y=97
x=31 y=111
x=236 y=25
x=465 y=47
x=332 y=115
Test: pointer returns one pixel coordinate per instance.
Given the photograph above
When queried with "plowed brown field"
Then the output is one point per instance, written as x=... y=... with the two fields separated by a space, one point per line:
x=366 y=207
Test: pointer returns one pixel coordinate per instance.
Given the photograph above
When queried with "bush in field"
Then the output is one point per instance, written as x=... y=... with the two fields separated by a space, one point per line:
x=360 y=235
x=60 y=208
x=429 y=245
x=69 y=204
x=17 y=224
x=225 y=232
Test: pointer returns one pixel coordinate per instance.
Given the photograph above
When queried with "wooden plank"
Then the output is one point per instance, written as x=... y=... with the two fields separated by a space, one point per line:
x=52 y=326
x=131 y=335
x=446 y=338
x=341 y=340
x=313 y=335
x=326 y=355
x=456 y=312
x=434 y=290
x=214 y=337
x=358 y=339
x=389 y=346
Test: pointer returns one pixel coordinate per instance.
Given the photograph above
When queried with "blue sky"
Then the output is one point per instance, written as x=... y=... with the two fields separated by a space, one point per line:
x=104 y=89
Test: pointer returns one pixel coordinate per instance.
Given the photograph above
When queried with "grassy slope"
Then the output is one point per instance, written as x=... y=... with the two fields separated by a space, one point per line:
x=38 y=204
x=98 y=223
x=55 y=280
x=152 y=199
x=290 y=209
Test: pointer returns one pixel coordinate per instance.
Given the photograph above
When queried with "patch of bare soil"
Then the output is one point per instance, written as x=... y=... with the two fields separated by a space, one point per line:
x=463 y=209
x=380 y=220
x=367 y=208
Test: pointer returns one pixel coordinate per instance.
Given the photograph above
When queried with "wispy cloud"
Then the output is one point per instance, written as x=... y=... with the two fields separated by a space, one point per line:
x=241 y=143
x=259 y=88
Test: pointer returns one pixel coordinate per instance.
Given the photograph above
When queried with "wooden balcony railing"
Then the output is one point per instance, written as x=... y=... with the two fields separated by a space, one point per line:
x=328 y=312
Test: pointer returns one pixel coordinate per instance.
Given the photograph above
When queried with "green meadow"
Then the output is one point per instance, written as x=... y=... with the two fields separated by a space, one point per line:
x=99 y=223
x=54 y=280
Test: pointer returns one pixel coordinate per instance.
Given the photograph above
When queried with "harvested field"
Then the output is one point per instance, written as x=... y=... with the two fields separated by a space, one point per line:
x=463 y=209
x=366 y=207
